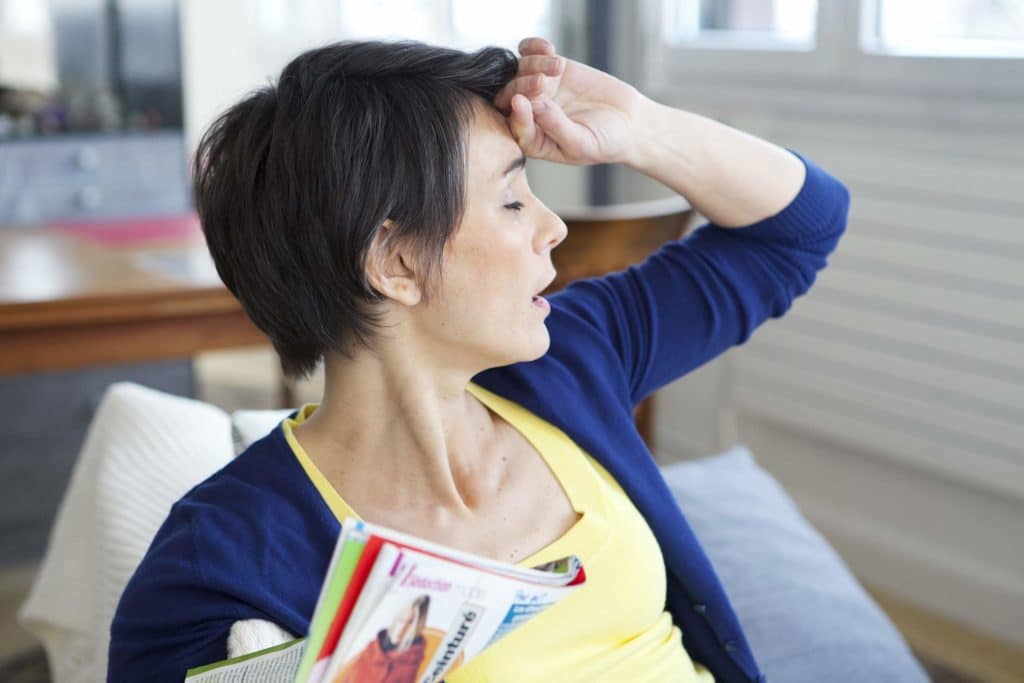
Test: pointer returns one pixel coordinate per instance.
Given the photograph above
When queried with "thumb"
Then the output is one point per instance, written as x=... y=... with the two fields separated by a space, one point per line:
x=554 y=122
x=522 y=126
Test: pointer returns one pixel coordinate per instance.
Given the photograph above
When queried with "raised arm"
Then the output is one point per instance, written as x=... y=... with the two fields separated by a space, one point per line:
x=732 y=178
x=564 y=111
x=774 y=216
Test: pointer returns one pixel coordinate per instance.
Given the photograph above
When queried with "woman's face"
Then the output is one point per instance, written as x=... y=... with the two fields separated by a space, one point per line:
x=499 y=258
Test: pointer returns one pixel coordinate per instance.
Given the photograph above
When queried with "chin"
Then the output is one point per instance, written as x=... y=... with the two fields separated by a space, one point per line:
x=542 y=349
x=535 y=345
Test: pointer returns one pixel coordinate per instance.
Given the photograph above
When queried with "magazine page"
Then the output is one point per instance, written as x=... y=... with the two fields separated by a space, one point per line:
x=383 y=573
x=434 y=616
x=346 y=554
x=371 y=548
x=560 y=572
x=278 y=663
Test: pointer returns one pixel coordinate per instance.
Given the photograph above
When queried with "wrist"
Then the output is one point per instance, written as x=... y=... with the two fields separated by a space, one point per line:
x=668 y=144
x=646 y=121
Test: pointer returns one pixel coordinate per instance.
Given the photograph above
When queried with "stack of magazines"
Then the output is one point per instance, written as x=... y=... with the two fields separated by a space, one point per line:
x=397 y=608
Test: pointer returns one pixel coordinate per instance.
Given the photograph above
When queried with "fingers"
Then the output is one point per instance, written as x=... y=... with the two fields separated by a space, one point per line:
x=533 y=78
x=545 y=64
x=540 y=123
x=529 y=85
x=539 y=59
x=535 y=45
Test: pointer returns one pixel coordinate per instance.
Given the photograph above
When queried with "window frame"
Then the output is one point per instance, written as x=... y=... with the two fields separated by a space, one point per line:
x=837 y=61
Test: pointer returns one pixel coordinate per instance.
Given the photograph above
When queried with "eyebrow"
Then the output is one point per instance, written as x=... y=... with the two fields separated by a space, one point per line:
x=516 y=164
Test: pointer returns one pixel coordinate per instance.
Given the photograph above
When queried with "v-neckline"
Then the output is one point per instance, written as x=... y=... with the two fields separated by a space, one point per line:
x=542 y=440
x=505 y=409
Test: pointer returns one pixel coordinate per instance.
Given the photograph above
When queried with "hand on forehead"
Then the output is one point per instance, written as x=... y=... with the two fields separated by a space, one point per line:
x=539 y=68
x=564 y=111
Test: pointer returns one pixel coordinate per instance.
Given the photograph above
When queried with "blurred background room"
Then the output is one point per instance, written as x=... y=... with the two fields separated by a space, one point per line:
x=888 y=402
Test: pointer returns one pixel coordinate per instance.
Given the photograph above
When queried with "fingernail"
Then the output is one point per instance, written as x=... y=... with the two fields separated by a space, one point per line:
x=550 y=63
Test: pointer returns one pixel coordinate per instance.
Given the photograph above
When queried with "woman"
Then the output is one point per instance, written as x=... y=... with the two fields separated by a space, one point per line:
x=396 y=653
x=371 y=211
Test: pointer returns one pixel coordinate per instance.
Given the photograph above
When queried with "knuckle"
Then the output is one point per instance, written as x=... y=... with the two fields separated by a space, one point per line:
x=531 y=63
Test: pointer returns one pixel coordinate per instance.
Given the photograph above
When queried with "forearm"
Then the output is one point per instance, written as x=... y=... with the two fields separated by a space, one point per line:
x=730 y=177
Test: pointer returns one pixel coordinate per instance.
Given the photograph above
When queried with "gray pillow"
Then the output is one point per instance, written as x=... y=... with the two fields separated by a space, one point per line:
x=806 y=616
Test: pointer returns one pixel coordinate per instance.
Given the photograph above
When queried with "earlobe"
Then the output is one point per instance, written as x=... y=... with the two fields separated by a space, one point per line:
x=407 y=292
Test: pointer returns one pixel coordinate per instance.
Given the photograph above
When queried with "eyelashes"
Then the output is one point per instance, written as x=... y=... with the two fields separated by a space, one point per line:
x=515 y=206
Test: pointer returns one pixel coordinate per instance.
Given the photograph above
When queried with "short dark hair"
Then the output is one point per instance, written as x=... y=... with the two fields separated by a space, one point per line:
x=292 y=183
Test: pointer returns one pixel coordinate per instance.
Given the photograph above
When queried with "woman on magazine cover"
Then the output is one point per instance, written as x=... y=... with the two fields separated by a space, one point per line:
x=397 y=652
x=371 y=212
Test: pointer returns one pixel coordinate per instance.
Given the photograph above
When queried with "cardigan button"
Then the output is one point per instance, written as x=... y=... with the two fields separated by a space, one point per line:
x=730 y=646
x=700 y=608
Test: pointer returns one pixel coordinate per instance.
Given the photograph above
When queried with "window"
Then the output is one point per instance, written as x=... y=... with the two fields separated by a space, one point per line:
x=939 y=47
x=946 y=28
x=27 y=54
x=763 y=24
x=463 y=24
x=475 y=23
x=391 y=19
x=746 y=40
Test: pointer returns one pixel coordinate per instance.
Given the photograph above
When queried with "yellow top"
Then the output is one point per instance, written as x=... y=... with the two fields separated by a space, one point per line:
x=614 y=628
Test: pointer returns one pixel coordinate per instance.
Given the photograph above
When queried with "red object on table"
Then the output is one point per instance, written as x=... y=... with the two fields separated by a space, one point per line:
x=124 y=232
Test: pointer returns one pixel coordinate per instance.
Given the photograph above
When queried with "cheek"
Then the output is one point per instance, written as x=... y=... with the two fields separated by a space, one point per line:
x=489 y=272
x=496 y=262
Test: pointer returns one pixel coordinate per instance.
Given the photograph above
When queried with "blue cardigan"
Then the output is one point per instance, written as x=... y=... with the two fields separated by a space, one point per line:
x=253 y=541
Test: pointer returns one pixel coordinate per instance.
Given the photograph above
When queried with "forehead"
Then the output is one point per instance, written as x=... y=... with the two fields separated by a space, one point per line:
x=491 y=145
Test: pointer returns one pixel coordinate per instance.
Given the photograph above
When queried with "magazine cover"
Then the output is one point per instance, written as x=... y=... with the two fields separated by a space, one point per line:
x=431 y=616
x=395 y=608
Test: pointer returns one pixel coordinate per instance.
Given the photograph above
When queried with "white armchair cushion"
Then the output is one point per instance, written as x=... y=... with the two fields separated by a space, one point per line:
x=252 y=635
x=249 y=425
x=143 y=451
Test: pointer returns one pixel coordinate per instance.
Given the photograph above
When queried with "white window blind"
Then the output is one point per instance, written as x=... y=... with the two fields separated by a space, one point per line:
x=911 y=342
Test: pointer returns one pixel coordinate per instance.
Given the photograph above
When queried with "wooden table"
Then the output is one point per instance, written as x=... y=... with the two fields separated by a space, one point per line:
x=75 y=296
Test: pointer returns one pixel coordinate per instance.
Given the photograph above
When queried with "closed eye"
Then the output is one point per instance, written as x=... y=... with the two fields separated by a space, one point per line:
x=515 y=206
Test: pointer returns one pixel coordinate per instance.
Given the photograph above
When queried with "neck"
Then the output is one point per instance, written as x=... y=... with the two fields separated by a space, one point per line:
x=389 y=430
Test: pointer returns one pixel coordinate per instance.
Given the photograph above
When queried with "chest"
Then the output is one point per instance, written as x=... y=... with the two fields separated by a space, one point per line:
x=521 y=508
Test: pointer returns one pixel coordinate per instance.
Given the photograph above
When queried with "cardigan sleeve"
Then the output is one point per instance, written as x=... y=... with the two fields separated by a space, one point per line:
x=695 y=298
x=167 y=619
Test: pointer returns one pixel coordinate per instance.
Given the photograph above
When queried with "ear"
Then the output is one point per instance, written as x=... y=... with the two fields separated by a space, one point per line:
x=389 y=268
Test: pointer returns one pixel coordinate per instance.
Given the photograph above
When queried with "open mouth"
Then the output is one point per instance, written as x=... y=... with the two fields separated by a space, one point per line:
x=541 y=302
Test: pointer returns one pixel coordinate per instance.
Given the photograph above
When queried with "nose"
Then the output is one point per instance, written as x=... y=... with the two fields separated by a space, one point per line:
x=553 y=231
